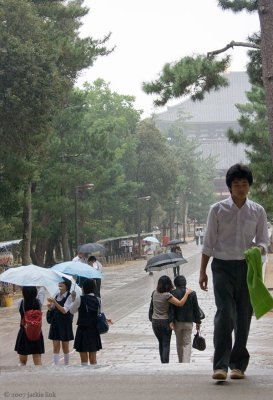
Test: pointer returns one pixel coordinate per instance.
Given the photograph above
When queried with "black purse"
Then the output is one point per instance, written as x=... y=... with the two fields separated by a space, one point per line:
x=199 y=342
x=49 y=316
x=102 y=324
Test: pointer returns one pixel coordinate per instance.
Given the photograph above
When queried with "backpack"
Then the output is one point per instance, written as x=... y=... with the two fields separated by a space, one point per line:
x=32 y=324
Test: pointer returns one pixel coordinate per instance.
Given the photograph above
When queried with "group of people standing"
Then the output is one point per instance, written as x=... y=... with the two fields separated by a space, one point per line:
x=234 y=225
x=61 y=309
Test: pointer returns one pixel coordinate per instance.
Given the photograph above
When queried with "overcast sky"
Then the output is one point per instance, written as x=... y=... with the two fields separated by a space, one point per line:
x=149 y=33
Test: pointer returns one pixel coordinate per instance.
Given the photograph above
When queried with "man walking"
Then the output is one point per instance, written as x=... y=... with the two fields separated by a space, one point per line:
x=232 y=226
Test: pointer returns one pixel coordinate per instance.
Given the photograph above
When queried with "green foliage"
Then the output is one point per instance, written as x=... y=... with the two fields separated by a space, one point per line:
x=238 y=5
x=254 y=67
x=254 y=133
x=194 y=181
x=90 y=141
x=190 y=76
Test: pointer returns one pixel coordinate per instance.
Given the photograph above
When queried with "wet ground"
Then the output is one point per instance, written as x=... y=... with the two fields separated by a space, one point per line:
x=129 y=362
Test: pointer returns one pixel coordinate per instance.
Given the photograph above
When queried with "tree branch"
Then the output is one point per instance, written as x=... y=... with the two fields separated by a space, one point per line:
x=231 y=45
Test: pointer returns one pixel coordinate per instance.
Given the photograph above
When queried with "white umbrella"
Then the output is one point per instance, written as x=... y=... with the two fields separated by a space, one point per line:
x=32 y=275
x=78 y=268
x=151 y=239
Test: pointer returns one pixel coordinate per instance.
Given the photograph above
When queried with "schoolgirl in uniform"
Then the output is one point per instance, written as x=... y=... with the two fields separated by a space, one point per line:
x=87 y=339
x=61 y=330
x=32 y=300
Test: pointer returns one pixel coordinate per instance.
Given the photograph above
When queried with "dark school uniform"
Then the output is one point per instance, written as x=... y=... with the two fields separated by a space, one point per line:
x=61 y=325
x=23 y=346
x=87 y=336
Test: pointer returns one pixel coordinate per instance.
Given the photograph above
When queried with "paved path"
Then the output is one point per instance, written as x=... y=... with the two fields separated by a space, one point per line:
x=128 y=366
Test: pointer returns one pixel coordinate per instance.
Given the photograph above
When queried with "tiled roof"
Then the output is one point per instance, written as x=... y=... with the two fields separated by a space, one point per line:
x=225 y=152
x=217 y=106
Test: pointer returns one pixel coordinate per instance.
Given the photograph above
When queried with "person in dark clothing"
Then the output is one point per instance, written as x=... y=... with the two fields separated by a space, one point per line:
x=93 y=262
x=176 y=249
x=182 y=319
x=87 y=339
x=61 y=330
x=32 y=300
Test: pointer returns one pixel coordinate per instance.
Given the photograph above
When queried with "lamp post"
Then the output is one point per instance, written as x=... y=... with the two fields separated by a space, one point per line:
x=86 y=186
x=147 y=198
x=177 y=223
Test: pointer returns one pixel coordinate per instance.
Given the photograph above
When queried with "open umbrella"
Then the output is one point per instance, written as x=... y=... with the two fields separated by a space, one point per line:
x=77 y=268
x=164 y=261
x=151 y=239
x=32 y=275
x=91 y=248
x=175 y=241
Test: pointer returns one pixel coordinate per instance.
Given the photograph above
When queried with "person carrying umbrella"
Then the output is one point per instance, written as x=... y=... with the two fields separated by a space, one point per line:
x=160 y=301
x=93 y=262
x=176 y=269
x=61 y=321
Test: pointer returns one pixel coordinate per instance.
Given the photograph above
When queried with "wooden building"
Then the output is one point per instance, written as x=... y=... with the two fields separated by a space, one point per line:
x=207 y=121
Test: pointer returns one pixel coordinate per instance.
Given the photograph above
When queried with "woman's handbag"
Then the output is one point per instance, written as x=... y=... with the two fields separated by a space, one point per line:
x=49 y=316
x=103 y=325
x=199 y=342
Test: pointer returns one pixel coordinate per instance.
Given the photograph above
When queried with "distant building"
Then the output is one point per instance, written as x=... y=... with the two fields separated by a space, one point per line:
x=207 y=121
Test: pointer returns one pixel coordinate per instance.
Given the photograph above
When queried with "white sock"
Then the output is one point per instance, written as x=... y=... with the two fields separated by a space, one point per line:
x=84 y=364
x=66 y=358
x=56 y=358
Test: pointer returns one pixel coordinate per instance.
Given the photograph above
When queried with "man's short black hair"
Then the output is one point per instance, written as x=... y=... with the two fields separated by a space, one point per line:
x=238 y=171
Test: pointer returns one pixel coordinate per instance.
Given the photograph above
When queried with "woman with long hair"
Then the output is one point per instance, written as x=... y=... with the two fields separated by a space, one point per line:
x=161 y=300
x=61 y=331
x=32 y=300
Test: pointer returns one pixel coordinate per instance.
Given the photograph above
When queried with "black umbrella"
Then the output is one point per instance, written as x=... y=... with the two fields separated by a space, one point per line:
x=91 y=248
x=175 y=241
x=164 y=261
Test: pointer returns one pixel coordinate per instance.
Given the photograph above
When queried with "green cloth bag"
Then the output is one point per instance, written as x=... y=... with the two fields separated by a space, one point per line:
x=260 y=298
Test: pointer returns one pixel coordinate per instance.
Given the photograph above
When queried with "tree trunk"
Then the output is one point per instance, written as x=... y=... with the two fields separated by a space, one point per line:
x=65 y=243
x=265 y=10
x=50 y=260
x=27 y=225
x=40 y=250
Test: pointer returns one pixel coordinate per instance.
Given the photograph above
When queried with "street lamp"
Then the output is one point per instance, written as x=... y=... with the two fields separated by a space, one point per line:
x=177 y=223
x=86 y=186
x=147 y=198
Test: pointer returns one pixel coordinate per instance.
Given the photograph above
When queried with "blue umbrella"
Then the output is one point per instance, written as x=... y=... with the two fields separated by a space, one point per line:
x=77 y=268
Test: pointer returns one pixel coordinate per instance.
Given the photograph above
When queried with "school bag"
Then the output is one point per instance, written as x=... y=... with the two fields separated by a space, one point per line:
x=32 y=324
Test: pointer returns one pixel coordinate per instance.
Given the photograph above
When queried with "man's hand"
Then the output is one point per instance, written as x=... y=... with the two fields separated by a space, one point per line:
x=203 y=281
x=262 y=250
